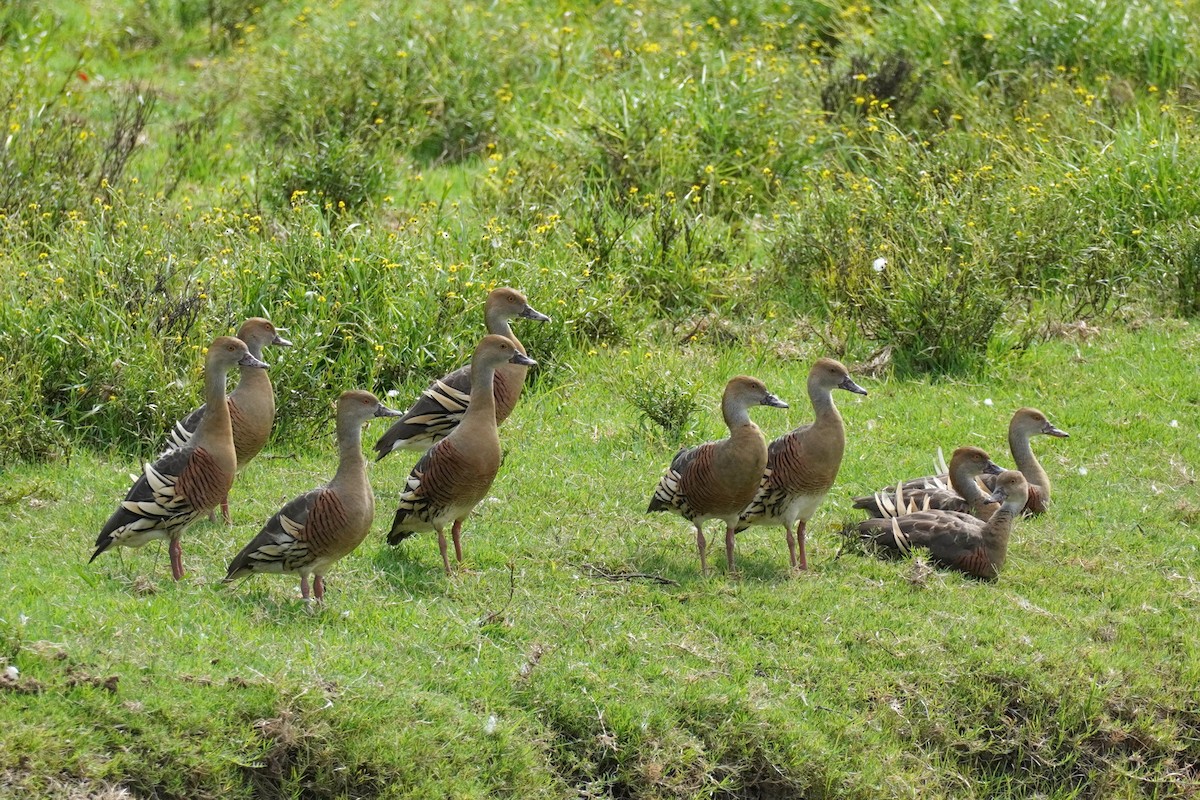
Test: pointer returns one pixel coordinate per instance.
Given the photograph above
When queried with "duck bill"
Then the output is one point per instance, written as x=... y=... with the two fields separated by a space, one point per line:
x=522 y=359
x=383 y=411
x=279 y=341
x=1050 y=430
x=850 y=386
x=992 y=468
x=773 y=401
x=531 y=313
x=249 y=360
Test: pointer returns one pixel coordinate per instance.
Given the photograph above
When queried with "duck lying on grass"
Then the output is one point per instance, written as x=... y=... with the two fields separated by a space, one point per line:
x=956 y=540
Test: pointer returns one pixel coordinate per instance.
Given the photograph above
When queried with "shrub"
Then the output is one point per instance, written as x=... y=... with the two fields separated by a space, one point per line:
x=667 y=403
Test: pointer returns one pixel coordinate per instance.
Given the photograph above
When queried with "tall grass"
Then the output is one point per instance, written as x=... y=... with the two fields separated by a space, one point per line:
x=364 y=175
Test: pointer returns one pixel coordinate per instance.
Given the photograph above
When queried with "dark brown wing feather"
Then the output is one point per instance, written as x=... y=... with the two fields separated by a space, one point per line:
x=671 y=492
x=183 y=431
x=170 y=493
x=420 y=499
x=953 y=539
x=430 y=419
x=303 y=530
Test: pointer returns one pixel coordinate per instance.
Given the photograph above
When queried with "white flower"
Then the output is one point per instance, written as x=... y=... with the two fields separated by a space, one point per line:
x=11 y=672
x=393 y=392
x=987 y=401
x=1083 y=470
x=1174 y=423
x=878 y=264
x=489 y=727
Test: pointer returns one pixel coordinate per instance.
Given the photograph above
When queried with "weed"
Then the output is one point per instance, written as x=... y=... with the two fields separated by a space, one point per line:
x=661 y=399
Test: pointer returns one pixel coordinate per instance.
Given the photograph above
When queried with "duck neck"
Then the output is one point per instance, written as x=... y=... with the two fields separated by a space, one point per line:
x=736 y=414
x=216 y=413
x=252 y=379
x=498 y=324
x=352 y=466
x=824 y=411
x=482 y=409
x=1026 y=461
x=999 y=525
x=967 y=487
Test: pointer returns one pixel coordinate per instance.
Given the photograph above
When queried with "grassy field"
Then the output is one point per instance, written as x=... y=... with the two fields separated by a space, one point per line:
x=532 y=674
x=977 y=206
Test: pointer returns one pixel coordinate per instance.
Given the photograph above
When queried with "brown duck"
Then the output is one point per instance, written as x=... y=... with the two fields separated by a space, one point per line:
x=251 y=403
x=956 y=540
x=441 y=406
x=802 y=465
x=315 y=530
x=964 y=493
x=1024 y=425
x=188 y=482
x=456 y=473
x=716 y=480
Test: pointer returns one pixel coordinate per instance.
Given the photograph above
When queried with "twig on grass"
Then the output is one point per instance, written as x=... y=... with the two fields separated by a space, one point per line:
x=497 y=615
x=597 y=571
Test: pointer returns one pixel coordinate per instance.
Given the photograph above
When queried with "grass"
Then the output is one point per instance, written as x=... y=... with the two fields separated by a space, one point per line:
x=532 y=675
x=958 y=194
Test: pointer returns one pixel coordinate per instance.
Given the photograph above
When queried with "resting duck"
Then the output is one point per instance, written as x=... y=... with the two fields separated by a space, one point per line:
x=312 y=532
x=456 y=473
x=188 y=482
x=1025 y=424
x=955 y=540
x=966 y=464
x=442 y=405
x=802 y=465
x=251 y=403
x=716 y=480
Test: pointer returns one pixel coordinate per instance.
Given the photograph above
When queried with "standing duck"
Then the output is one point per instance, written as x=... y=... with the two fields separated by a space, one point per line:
x=442 y=406
x=1025 y=424
x=802 y=465
x=955 y=540
x=188 y=482
x=456 y=473
x=964 y=494
x=251 y=403
x=716 y=480
x=313 y=531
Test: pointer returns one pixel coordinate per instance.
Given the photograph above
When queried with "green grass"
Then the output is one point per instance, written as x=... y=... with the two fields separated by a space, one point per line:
x=530 y=675
x=691 y=192
x=365 y=172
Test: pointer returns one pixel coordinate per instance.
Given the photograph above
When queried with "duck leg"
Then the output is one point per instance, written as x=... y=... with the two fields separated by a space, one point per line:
x=791 y=543
x=319 y=588
x=800 y=530
x=304 y=592
x=730 y=533
x=702 y=545
x=442 y=547
x=225 y=511
x=456 y=535
x=176 y=559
